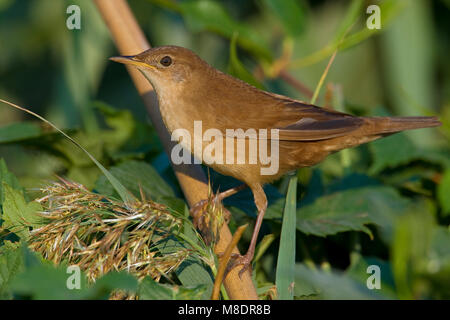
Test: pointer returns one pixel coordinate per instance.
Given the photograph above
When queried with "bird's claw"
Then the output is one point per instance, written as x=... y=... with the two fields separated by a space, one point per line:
x=196 y=212
x=236 y=260
x=207 y=221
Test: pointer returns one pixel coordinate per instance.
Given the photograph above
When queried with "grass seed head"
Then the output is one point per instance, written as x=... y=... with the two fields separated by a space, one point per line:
x=100 y=234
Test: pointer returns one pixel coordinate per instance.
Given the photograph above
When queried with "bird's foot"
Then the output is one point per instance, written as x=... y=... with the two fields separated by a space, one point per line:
x=197 y=211
x=208 y=216
x=239 y=260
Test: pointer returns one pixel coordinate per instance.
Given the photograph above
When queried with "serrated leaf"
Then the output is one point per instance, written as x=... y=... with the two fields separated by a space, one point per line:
x=128 y=137
x=121 y=121
x=135 y=175
x=391 y=151
x=332 y=214
x=192 y=272
x=351 y=210
x=18 y=215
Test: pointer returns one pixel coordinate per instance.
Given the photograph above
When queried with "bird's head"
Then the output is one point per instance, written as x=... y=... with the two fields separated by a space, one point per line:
x=165 y=66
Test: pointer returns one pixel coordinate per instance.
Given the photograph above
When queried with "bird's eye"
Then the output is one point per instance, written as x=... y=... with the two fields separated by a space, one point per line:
x=166 y=61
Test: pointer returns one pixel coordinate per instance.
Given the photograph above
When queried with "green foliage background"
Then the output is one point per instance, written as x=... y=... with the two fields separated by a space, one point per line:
x=384 y=204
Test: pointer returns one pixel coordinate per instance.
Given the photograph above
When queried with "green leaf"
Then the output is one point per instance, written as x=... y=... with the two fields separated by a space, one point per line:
x=92 y=143
x=286 y=254
x=192 y=272
x=412 y=240
x=128 y=137
x=46 y=282
x=390 y=9
x=392 y=151
x=438 y=264
x=18 y=215
x=124 y=193
x=151 y=290
x=334 y=285
x=121 y=121
x=9 y=178
x=444 y=192
x=351 y=210
x=207 y=15
x=263 y=245
x=237 y=69
x=135 y=175
x=87 y=176
x=440 y=247
x=41 y=279
x=84 y=56
x=353 y=13
x=358 y=271
x=290 y=13
x=19 y=131
x=111 y=281
x=11 y=263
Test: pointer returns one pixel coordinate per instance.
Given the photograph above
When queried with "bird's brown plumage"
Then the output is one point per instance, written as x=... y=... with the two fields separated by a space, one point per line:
x=190 y=89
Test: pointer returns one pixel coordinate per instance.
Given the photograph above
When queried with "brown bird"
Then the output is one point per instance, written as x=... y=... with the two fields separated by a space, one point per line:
x=190 y=90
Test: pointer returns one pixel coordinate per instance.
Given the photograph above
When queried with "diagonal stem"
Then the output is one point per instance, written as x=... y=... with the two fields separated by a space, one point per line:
x=130 y=39
x=224 y=261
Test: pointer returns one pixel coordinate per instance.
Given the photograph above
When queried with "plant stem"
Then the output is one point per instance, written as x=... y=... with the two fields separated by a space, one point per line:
x=224 y=261
x=130 y=39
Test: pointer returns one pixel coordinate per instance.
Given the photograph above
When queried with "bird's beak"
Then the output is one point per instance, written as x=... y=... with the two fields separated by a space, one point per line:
x=131 y=60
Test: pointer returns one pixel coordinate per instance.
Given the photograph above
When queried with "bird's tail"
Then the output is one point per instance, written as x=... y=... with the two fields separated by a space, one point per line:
x=387 y=125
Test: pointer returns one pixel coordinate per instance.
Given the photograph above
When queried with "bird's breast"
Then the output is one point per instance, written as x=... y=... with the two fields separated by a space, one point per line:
x=180 y=119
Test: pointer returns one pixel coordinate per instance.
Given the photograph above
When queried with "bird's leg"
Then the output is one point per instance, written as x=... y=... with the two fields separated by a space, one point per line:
x=198 y=208
x=261 y=205
x=231 y=191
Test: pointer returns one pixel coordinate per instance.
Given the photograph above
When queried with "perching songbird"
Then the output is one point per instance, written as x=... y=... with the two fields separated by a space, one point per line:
x=190 y=92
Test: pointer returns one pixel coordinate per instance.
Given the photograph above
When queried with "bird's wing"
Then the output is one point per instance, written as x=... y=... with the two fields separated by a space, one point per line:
x=312 y=130
x=299 y=121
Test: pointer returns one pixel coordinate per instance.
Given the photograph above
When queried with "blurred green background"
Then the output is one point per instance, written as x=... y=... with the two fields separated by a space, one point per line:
x=401 y=184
